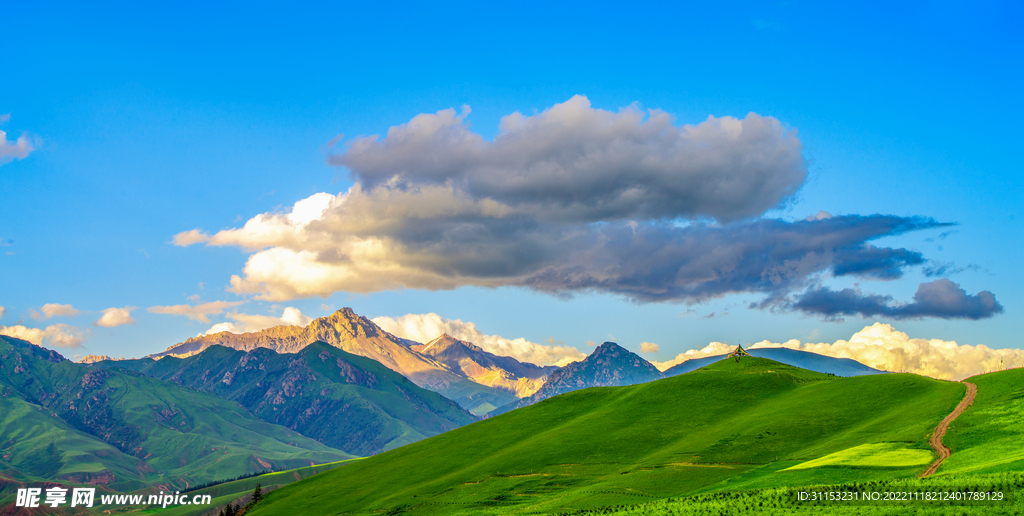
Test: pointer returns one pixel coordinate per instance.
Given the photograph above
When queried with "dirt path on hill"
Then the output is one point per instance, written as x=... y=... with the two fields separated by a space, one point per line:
x=940 y=431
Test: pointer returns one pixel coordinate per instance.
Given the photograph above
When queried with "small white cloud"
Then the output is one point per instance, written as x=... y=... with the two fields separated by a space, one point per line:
x=187 y=238
x=50 y=310
x=57 y=335
x=713 y=349
x=426 y=327
x=113 y=317
x=648 y=347
x=3 y=312
x=221 y=327
x=247 y=323
x=11 y=150
x=199 y=313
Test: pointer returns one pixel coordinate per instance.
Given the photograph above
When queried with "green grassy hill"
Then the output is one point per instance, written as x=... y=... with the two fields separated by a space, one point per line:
x=62 y=421
x=752 y=424
x=989 y=436
x=343 y=400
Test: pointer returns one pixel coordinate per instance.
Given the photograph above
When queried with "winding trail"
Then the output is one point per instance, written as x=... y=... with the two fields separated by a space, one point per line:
x=940 y=431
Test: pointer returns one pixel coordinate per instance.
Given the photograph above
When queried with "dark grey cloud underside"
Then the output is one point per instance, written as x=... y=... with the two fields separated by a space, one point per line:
x=940 y=298
x=660 y=262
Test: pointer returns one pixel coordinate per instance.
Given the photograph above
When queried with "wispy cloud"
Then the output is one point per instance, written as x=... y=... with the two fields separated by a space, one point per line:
x=247 y=323
x=51 y=310
x=199 y=312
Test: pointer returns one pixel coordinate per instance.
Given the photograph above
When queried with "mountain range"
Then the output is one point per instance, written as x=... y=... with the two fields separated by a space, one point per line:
x=358 y=335
x=609 y=365
x=343 y=400
x=63 y=421
x=520 y=379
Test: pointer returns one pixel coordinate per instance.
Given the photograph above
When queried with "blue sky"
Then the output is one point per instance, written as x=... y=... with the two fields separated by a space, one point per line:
x=148 y=122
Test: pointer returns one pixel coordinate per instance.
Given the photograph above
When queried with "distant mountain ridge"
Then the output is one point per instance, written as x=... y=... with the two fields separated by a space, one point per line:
x=345 y=401
x=505 y=373
x=358 y=335
x=797 y=358
x=610 y=365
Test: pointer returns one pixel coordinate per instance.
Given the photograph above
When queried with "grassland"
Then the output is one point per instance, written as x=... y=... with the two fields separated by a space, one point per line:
x=730 y=426
x=989 y=436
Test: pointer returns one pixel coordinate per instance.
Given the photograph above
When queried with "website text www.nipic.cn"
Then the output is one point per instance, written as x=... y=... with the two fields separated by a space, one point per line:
x=86 y=497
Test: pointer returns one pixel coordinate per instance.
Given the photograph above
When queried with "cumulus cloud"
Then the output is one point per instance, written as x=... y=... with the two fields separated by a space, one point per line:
x=199 y=312
x=649 y=347
x=113 y=317
x=246 y=323
x=11 y=150
x=570 y=200
x=711 y=350
x=57 y=335
x=574 y=162
x=426 y=327
x=3 y=312
x=367 y=242
x=883 y=347
x=940 y=298
x=221 y=327
x=50 y=310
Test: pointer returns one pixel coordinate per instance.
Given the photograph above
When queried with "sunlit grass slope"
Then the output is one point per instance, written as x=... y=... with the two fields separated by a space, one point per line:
x=989 y=436
x=729 y=425
x=222 y=494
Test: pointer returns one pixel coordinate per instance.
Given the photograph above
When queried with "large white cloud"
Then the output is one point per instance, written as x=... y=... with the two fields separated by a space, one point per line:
x=57 y=335
x=883 y=347
x=113 y=317
x=200 y=312
x=570 y=200
x=50 y=310
x=426 y=327
x=247 y=323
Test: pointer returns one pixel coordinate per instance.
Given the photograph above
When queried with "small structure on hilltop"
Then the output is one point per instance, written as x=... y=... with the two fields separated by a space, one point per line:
x=739 y=352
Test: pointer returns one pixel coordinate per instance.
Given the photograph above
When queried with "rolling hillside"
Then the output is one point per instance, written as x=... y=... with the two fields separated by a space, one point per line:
x=343 y=400
x=65 y=421
x=752 y=424
x=987 y=437
x=793 y=357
